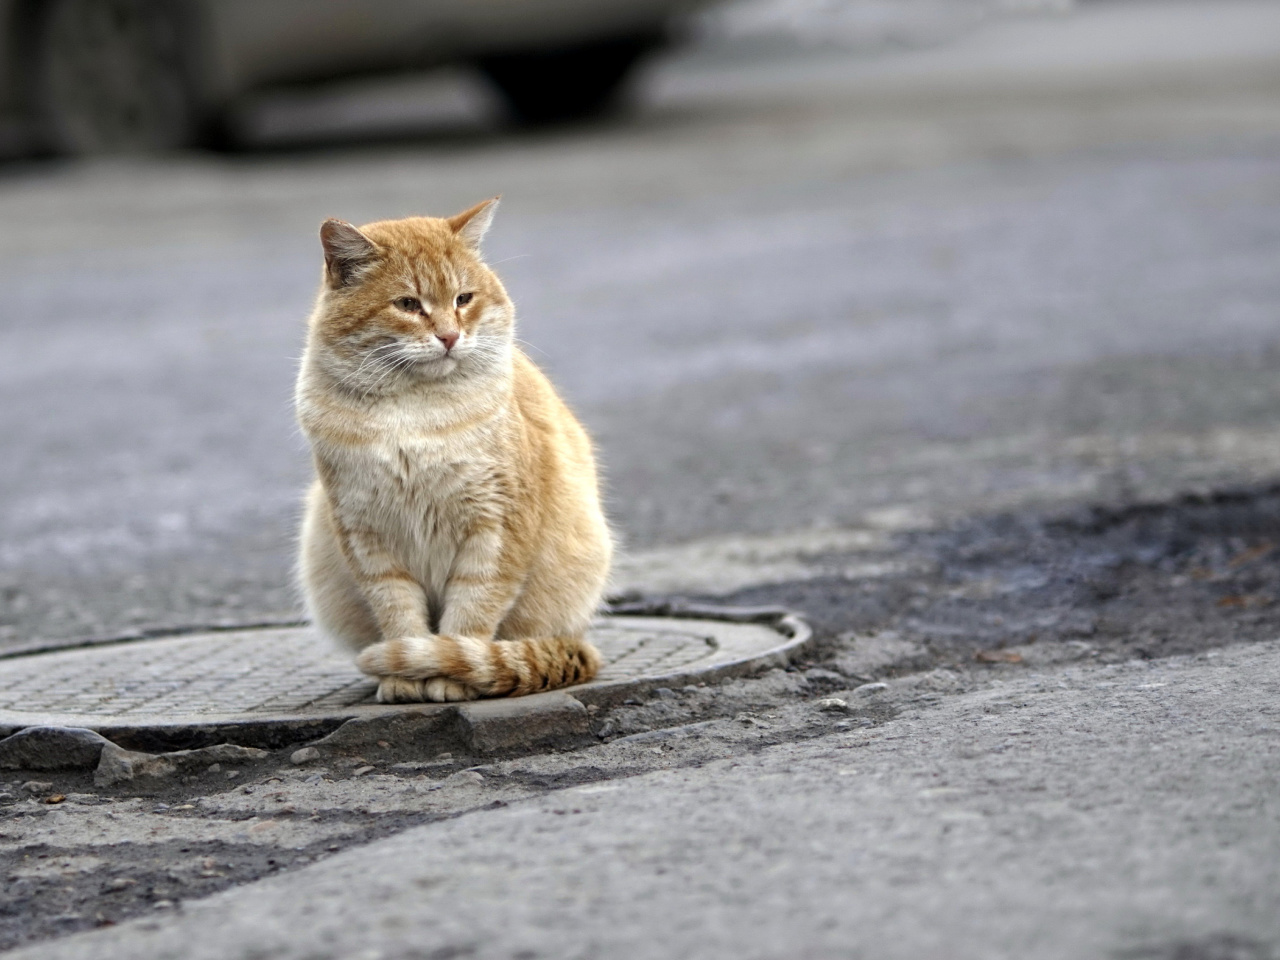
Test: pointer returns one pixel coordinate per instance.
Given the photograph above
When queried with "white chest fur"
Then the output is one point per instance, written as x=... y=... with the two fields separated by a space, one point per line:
x=420 y=486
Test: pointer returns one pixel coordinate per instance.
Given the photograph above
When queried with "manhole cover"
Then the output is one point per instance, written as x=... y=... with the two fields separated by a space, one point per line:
x=242 y=684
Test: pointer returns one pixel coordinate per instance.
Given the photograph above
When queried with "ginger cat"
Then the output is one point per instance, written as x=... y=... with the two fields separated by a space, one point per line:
x=454 y=534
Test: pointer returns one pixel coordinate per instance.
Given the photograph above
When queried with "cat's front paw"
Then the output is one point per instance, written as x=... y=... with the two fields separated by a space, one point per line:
x=444 y=690
x=401 y=690
x=434 y=690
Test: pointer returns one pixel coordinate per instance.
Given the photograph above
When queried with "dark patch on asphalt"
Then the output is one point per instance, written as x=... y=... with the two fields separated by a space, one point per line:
x=146 y=878
x=1141 y=582
x=136 y=878
x=573 y=777
x=140 y=878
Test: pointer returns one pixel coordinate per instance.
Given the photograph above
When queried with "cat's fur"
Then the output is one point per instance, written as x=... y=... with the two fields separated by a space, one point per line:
x=454 y=534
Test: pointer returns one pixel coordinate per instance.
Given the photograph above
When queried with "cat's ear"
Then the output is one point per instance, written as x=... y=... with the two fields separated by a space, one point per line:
x=347 y=251
x=470 y=226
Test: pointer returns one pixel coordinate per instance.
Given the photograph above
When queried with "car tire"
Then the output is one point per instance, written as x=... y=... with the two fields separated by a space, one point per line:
x=116 y=76
x=568 y=83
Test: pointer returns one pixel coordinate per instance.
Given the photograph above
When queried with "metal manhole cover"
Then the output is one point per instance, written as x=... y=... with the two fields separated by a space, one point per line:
x=234 y=679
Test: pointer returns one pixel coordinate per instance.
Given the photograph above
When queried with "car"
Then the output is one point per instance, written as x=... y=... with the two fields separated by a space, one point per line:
x=90 y=76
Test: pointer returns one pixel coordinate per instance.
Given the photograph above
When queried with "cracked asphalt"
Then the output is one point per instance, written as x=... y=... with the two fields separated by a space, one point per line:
x=969 y=353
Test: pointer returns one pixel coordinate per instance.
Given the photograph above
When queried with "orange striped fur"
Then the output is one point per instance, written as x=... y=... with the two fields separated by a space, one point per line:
x=453 y=535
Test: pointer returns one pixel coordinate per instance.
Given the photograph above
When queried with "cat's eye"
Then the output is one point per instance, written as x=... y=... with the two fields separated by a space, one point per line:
x=409 y=305
x=464 y=299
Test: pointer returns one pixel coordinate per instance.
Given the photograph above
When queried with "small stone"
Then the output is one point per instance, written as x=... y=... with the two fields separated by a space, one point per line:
x=466 y=778
x=444 y=756
x=689 y=688
x=385 y=745
x=7 y=798
x=117 y=764
x=232 y=774
x=119 y=883
x=666 y=693
x=305 y=755
x=160 y=808
x=163 y=904
x=833 y=705
x=219 y=752
x=869 y=688
x=361 y=771
x=56 y=798
x=998 y=656
x=818 y=674
x=51 y=748
x=37 y=786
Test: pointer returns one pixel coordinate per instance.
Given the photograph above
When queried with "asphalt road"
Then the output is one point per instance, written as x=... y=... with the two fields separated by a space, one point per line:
x=792 y=290
x=804 y=299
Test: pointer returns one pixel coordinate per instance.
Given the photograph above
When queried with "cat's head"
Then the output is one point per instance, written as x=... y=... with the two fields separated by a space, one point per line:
x=407 y=301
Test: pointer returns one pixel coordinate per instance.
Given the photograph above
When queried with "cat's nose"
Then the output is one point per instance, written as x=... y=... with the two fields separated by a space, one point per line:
x=448 y=339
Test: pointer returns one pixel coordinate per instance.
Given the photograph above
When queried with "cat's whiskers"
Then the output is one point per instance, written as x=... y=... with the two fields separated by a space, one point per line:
x=371 y=356
x=397 y=364
x=378 y=355
x=530 y=346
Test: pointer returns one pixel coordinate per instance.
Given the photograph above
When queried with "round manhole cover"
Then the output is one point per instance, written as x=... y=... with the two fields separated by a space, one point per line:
x=242 y=684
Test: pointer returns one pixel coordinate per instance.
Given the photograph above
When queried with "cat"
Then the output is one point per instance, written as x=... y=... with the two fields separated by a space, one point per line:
x=453 y=535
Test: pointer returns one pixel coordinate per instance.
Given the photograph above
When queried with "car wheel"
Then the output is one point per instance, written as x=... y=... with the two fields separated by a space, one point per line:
x=569 y=83
x=114 y=76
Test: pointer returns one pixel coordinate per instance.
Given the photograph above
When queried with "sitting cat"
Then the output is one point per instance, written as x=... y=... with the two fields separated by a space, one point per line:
x=454 y=534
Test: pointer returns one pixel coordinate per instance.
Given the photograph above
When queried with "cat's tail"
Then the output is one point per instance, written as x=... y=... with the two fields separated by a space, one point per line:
x=491 y=668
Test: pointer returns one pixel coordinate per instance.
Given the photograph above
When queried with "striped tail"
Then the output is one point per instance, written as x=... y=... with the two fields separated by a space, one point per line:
x=486 y=668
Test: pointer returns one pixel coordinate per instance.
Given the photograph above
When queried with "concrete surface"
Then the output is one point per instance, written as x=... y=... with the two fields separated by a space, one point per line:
x=1048 y=817
x=933 y=346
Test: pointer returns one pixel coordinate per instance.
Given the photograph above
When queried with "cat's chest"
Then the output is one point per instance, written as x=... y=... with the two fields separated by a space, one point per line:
x=424 y=485
x=425 y=474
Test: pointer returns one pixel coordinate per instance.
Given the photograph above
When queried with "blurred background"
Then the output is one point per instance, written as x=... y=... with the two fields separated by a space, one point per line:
x=801 y=265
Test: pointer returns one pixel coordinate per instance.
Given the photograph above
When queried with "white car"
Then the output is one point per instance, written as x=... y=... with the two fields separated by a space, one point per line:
x=113 y=75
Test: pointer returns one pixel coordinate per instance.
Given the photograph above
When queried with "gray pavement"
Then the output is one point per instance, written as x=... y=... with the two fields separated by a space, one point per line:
x=793 y=292
x=1120 y=811
x=817 y=307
